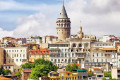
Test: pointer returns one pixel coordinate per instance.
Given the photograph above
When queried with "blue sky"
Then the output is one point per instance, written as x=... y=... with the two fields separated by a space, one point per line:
x=8 y=17
x=23 y=18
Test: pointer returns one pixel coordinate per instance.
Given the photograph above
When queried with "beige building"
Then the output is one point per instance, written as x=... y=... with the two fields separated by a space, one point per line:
x=103 y=52
x=81 y=49
x=63 y=25
x=8 y=66
x=49 y=39
x=15 y=56
x=2 y=56
x=116 y=73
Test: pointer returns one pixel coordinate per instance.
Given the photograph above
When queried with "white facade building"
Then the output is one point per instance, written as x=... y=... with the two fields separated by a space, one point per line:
x=15 y=56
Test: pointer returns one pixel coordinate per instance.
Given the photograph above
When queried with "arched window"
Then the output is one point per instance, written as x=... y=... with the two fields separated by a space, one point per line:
x=86 y=45
x=80 y=45
x=74 y=45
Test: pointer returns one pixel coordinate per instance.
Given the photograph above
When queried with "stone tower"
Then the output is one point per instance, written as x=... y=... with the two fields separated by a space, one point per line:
x=80 y=33
x=63 y=25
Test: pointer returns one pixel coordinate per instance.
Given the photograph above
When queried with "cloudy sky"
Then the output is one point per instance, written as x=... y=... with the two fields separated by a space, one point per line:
x=23 y=18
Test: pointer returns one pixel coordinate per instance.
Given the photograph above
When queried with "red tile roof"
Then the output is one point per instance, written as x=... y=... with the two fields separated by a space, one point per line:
x=96 y=68
x=4 y=78
x=64 y=71
x=40 y=52
x=77 y=64
x=27 y=71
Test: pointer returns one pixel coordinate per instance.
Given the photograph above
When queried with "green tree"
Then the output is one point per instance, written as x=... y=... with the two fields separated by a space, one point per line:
x=1 y=70
x=107 y=74
x=113 y=79
x=69 y=67
x=39 y=71
x=27 y=66
x=18 y=74
x=6 y=72
x=38 y=68
x=55 y=68
x=75 y=66
x=103 y=78
x=89 y=74
x=39 y=61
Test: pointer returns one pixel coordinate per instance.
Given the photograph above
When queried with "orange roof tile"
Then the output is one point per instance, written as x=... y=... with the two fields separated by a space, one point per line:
x=118 y=67
x=27 y=71
x=96 y=68
x=93 y=39
x=4 y=78
x=77 y=64
x=64 y=71
x=109 y=49
x=40 y=52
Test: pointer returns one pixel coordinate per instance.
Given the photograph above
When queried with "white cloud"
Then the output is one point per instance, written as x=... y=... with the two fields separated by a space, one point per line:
x=98 y=17
x=4 y=33
x=37 y=24
x=13 y=5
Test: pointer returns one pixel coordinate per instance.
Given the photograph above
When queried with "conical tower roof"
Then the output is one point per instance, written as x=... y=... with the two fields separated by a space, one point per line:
x=63 y=13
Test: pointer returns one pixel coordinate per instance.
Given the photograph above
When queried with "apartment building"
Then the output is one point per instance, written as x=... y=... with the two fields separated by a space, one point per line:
x=35 y=39
x=60 y=55
x=103 y=52
x=42 y=53
x=15 y=56
x=80 y=47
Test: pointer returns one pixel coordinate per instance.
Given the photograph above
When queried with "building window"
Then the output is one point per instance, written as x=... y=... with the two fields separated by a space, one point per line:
x=72 y=54
x=58 y=60
x=9 y=60
x=9 y=67
x=12 y=60
x=65 y=60
x=97 y=54
x=23 y=55
x=97 y=60
x=93 y=54
x=65 y=55
x=20 y=55
x=80 y=45
x=101 y=54
x=102 y=60
x=74 y=45
x=86 y=45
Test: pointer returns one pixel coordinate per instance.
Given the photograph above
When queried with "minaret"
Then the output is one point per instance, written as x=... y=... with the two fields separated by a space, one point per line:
x=63 y=25
x=80 y=33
